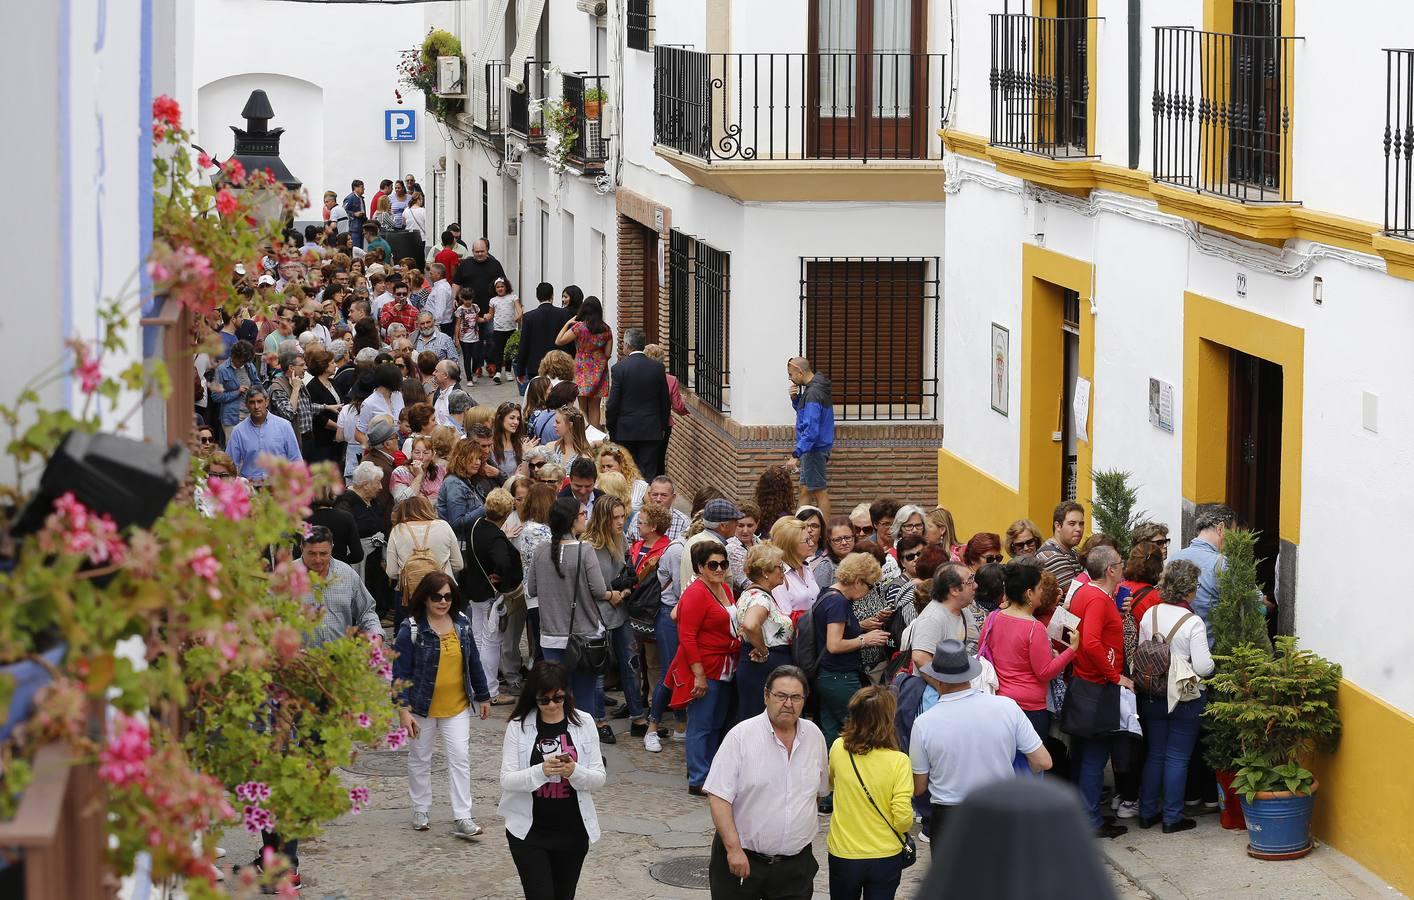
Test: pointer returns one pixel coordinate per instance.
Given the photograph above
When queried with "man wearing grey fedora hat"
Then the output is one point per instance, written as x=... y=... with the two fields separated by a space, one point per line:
x=967 y=739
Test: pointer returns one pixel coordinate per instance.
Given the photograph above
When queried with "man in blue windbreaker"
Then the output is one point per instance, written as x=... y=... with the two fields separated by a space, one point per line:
x=814 y=431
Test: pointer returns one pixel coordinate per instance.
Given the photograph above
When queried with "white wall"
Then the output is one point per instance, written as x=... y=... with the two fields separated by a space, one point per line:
x=330 y=72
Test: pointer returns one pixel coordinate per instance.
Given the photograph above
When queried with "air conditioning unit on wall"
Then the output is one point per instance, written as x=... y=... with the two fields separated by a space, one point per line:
x=593 y=7
x=451 y=77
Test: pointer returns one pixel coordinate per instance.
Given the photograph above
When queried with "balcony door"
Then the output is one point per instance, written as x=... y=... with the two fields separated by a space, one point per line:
x=1256 y=126
x=867 y=73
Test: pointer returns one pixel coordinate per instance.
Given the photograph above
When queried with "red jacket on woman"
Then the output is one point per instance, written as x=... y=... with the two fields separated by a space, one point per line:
x=1101 y=655
x=704 y=636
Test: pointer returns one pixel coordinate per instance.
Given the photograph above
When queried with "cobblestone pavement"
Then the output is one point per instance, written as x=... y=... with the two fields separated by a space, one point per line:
x=645 y=812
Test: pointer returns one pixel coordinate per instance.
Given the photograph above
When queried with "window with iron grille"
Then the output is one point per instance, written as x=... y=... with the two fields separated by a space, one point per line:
x=1040 y=81
x=639 y=25
x=871 y=325
x=699 y=292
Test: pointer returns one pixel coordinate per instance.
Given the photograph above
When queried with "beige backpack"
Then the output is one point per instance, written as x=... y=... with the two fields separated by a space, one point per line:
x=419 y=564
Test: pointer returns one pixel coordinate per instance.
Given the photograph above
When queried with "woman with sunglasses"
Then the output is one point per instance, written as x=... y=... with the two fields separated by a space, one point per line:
x=219 y=466
x=982 y=549
x=701 y=673
x=1023 y=538
x=442 y=676
x=550 y=767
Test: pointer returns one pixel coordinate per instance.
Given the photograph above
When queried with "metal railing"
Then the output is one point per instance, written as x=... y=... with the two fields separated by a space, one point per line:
x=1040 y=82
x=488 y=97
x=784 y=106
x=871 y=325
x=586 y=96
x=519 y=117
x=1222 y=113
x=679 y=300
x=638 y=25
x=711 y=296
x=1399 y=143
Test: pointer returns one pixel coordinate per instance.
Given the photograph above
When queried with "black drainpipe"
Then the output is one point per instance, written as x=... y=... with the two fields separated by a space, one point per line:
x=1136 y=44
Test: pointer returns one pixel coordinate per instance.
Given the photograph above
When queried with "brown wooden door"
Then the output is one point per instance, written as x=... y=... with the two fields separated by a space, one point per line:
x=867 y=77
x=1254 y=458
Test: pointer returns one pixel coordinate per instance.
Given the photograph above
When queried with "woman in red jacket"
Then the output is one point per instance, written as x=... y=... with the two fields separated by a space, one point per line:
x=701 y=674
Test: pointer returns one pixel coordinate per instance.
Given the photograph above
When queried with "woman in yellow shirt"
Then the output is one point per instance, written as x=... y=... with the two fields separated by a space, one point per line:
x=873 y=789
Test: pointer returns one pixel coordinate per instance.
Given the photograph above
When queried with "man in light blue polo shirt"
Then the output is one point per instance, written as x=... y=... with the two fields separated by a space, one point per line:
x=260 y=433
x=1206 y=552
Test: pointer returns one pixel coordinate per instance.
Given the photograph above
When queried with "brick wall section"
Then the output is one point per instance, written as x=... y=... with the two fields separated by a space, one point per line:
x=869 y=461
x=632 y=238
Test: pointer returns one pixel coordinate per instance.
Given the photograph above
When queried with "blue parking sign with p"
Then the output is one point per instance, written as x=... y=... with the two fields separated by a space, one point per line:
x=399 y=125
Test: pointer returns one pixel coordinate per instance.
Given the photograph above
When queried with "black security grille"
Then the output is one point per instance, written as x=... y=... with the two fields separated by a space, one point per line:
x=871 y=325
x=679 y=303
x=519 y=117
x=758 y=106
x=1399 y=143
x=638 y=22
x=1222 y=107
x=489 y=98
x=586 y=96
x=711 y=294
x=1040 y=81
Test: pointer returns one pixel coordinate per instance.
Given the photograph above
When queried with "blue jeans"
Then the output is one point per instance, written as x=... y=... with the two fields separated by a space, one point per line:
x=665 y=633
x=1172 y=737
x=1040 y=720
x=1089 y=756
x=621 y=639
x=581 y=685
x=706 y=722
x=870 y=879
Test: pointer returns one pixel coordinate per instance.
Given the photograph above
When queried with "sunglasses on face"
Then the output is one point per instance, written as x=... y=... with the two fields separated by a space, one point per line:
x=536 y=465
x=1031 y=544
x=206 y=439
x=910 y=557
x=549 y=699
x=218 y=474
x=441 y=597
x=992 y=558
x=716 y=565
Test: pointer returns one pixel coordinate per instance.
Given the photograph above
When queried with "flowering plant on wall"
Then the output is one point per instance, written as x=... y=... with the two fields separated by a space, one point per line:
x=417 y=71
x=184 y=680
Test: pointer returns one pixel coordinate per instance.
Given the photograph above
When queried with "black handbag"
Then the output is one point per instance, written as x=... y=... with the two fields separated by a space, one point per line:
x=588 y=655
x=1090 y=710
x=909 y=854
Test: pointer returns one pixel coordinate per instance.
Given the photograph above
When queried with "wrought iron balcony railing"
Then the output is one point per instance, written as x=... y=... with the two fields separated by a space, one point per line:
x=798 y=106
x=1040 y=81
x=1222 y=113
x=1399 y=143
x=519 y=118
x=587 y=96
x=488 y=97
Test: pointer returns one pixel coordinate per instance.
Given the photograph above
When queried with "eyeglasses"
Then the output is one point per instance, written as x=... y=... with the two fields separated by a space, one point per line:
x=1162 y=542
x=916 y=527
x=550 y=700
x=218 y=474
x=843 y=539
x=716 y=565
x=910 y=557
x=992 y=558
x=1028 y=544
x=792 y=699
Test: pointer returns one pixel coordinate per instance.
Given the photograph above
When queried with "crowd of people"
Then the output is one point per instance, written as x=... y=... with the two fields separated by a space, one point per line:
x=876 y=667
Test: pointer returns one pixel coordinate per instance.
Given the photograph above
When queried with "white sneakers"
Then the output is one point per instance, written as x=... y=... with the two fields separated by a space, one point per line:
x=466 y=829
x=651 y=742
x=420 y=821
x=1127 y=810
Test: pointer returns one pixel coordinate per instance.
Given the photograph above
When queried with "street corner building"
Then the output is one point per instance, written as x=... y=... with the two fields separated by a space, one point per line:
x=1025 y=241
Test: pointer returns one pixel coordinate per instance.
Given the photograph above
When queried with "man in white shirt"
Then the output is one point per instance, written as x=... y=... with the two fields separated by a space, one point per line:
x=447 y=376
x=439 y=299
x=966 y=740
x=763 y=786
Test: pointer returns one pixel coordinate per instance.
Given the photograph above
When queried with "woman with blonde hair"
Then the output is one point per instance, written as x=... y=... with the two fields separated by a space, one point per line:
x=573 y=441
x=442 y=439
x=605 y=533
x=557 y=365
x=416 y=528
x=766 y=630
x=1023 y=538
x=457 y=501
x=614 y=458
x=797 y=592
x=872 y=783
x=613 y=484
x=938 y=528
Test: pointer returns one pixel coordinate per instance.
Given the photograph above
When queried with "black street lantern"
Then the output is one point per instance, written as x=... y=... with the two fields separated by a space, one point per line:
x=257 y=146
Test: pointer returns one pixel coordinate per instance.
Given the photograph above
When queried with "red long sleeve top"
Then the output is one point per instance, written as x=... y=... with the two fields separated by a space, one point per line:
x=705 y=631
x=1101 y=655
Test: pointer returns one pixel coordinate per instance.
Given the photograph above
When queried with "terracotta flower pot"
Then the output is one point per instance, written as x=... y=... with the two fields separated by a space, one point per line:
x=1231 y=804
x=591 y=109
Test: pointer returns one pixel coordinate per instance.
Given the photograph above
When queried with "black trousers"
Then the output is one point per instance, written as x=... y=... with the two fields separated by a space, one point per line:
x=646 y=455
x=936 y=824
x=549 y=868
x=789 y=878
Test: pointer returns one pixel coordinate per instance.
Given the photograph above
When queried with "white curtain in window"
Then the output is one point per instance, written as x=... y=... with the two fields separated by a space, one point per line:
x=839 y=44
x=532 y=11
x=892 y=64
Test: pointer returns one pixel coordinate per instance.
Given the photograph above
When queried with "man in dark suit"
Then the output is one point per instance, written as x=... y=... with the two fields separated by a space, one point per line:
x=583 y=474
x=638 y=404
x=538 y=330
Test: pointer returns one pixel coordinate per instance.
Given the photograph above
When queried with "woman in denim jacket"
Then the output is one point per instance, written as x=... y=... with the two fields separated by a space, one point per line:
x=438 y=699
x=227 y=392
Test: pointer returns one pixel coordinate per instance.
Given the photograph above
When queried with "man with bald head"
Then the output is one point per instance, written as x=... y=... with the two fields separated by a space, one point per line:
x=479 y=272
x=814 y=431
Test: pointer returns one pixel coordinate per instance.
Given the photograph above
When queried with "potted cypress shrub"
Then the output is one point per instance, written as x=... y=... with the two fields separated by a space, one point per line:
x=1279 y=709
x=1113 y=509
x=1235 y=620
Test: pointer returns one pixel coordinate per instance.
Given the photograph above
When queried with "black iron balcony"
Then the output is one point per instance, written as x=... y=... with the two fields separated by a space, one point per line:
x=587 y=97
x=1222 y=113
x=798 y=106
x=1040 y=80
x=1399 y=143
x=488 y=99
x=520 y=118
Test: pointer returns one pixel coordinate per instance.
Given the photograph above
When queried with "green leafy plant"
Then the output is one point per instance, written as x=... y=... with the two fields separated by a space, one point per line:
x=560 y=119
x=1237 y=617
x=417 y=70
x=1113 y=510
x=1275 y=710
x=596 y=95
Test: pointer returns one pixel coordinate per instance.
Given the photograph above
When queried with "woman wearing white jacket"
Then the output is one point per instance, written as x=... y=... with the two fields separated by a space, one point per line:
x=550 y=764
x=1171 y=723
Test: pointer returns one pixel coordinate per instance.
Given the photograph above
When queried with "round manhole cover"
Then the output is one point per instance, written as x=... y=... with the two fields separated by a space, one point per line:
x=389 y=763
x=683 y=871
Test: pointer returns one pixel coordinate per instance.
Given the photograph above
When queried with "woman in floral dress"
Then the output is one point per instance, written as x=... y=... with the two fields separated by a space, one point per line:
x=593 y=342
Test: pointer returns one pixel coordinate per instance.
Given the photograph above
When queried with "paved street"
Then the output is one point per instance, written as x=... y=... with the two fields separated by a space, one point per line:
x=647 y=816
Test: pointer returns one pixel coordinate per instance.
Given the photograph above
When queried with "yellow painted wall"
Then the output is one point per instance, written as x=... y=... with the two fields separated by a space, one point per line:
x=974 y=496
x=1363 y=808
